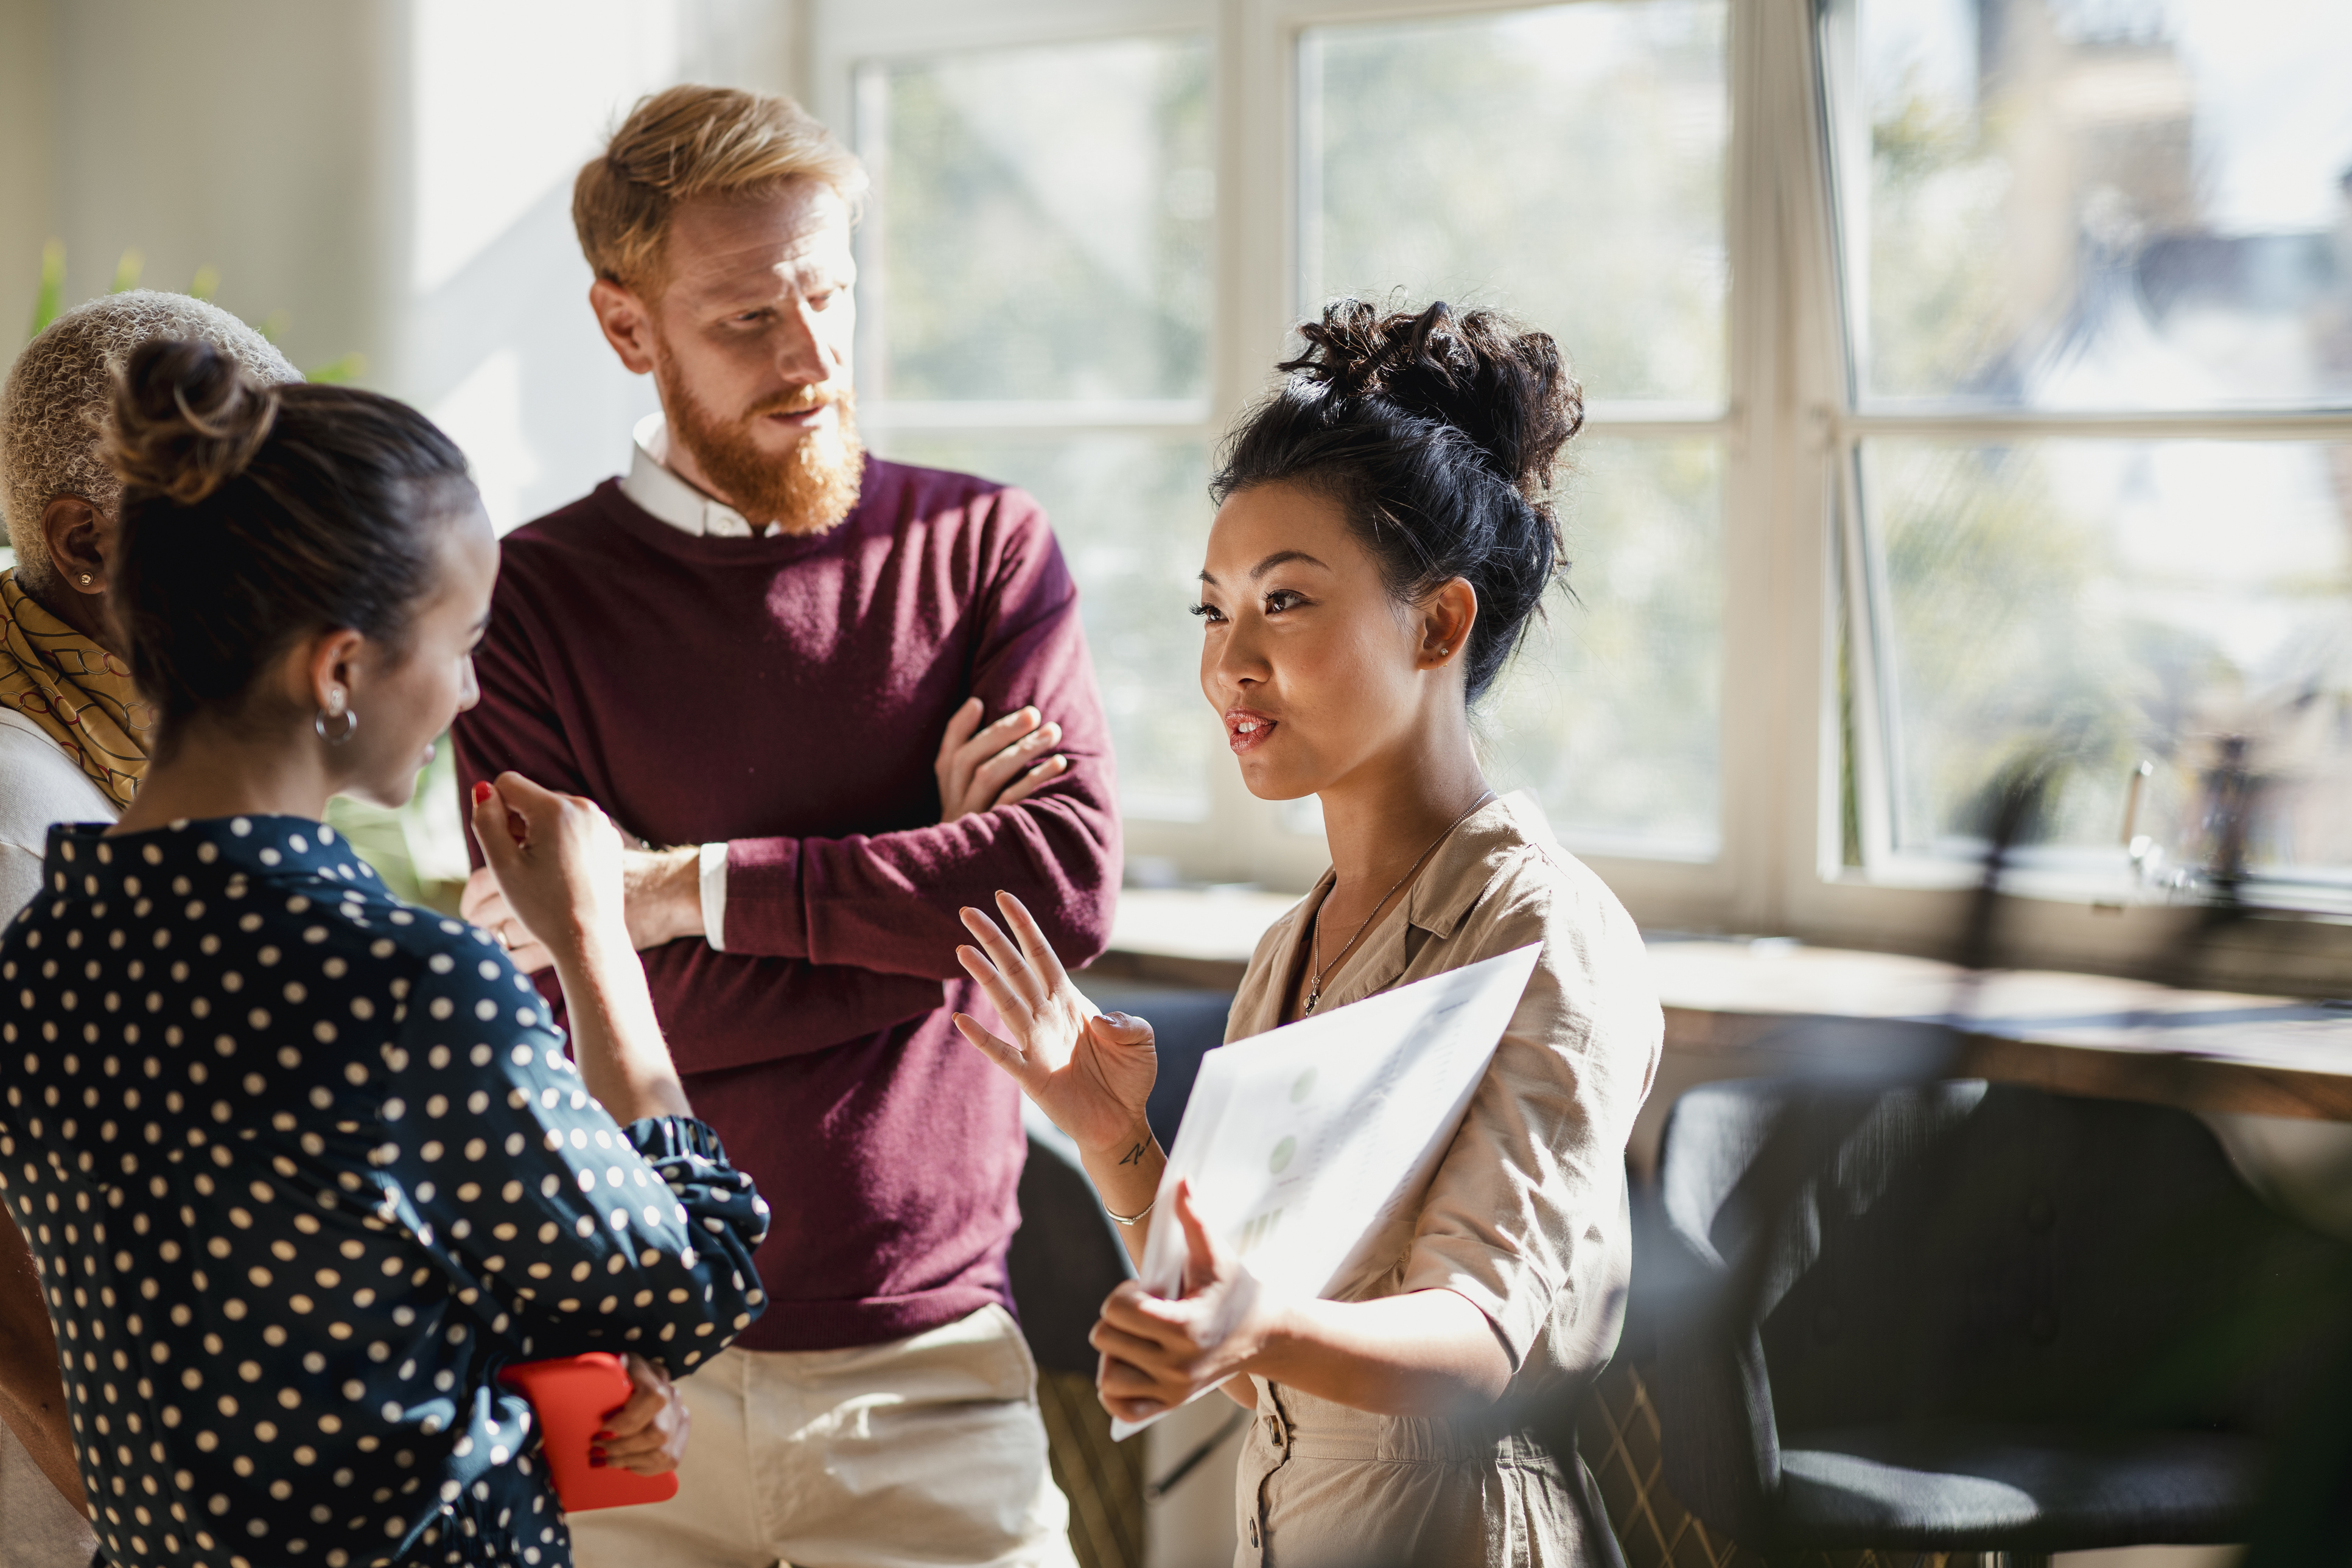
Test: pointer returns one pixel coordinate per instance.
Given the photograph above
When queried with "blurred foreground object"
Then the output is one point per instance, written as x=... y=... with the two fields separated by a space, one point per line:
x=1064 y=1260
x=1901 y=1308
x=1958 y=1316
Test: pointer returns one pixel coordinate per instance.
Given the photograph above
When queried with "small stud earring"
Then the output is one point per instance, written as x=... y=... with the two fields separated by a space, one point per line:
x=85 y=579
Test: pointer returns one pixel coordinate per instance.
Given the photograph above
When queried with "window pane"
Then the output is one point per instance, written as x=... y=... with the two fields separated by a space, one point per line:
x=1007 y=256
x=2126 y=204
x=2115 y=601
x=1132 y=514
x=1612 y=713
x=1565 y=163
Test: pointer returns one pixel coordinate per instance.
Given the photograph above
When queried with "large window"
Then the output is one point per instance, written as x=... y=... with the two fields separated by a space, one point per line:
x=1565 y=164
x=1969 y=382
x=2097 y=264
x=1037 y=308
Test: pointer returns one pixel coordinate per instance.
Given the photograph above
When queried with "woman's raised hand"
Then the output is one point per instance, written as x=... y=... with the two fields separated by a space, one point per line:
x=1090 y=1072
x=558 y=861
x=557 y=858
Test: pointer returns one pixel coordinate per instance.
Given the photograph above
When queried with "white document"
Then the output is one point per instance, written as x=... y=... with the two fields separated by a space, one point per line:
x=1303 y=1142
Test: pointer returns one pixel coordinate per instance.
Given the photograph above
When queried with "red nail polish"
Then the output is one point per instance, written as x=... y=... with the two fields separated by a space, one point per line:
x=481 y=791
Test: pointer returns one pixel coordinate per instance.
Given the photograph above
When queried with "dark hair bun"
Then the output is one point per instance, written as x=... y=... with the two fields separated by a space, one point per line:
x=186 y=420
x=1506 y=389
x=255 y=515
x=1439 y=434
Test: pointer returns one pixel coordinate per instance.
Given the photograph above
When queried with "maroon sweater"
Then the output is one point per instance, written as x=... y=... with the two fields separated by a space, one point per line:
x=787 y=696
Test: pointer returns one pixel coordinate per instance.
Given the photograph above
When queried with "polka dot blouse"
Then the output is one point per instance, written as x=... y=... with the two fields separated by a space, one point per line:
x=302 y=1167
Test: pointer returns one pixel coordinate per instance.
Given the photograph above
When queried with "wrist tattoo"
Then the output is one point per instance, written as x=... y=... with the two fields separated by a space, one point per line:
x=1135 y=1156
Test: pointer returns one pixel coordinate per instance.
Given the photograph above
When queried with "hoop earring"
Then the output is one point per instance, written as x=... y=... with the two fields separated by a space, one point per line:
x=351 y=726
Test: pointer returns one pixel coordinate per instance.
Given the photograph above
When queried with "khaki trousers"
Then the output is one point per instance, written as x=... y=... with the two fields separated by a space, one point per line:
x=39 y=1529
x=924 y=1451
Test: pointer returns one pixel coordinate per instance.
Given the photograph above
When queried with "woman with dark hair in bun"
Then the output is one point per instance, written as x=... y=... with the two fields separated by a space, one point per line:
x=305 y=1167
x=1383 y=536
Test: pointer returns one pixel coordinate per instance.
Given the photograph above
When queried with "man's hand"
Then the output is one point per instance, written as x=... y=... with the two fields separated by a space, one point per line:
x=661 y=892
x=978 y=768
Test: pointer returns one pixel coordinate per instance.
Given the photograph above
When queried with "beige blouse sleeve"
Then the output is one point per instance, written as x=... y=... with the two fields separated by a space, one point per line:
x=1528 y=1202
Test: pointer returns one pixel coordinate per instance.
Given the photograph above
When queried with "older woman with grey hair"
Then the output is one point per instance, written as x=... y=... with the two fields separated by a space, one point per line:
x=72 y=749
x=72 y=737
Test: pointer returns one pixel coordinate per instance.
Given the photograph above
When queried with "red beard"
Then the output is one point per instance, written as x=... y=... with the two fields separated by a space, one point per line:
x=807 y=490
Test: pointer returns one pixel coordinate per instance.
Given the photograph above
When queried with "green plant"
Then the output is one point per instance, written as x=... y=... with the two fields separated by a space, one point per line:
x=48 y=304
x=419 y=850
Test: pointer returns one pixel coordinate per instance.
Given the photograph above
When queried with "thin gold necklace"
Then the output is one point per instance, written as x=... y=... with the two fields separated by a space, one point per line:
x=1315 y=937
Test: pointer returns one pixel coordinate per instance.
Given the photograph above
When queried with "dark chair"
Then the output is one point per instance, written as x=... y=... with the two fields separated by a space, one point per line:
x=1066 y=1257
x=1963 y=1317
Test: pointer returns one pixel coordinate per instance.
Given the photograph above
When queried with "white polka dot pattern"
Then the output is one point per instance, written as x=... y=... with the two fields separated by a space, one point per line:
x=301 y=1168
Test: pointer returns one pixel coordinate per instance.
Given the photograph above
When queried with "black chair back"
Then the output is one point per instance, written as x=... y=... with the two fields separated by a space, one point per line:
x=1962 y=1257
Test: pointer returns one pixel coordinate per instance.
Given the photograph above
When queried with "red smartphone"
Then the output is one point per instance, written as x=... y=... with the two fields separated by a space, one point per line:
x=572 y=1397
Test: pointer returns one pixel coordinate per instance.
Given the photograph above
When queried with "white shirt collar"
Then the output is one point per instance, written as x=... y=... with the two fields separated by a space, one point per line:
x=654 y=486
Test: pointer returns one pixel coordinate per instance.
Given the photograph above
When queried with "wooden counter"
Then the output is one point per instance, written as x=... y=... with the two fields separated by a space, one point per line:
x=2074 y=1034
x=1739 y=1008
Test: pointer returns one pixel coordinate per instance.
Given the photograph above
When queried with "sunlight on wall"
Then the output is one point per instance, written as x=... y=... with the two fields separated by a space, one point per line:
x=495 y=337
x=484 y=415
x=509 y=99
x=490 y=329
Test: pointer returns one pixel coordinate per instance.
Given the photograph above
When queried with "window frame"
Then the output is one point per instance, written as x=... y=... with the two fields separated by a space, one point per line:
x=849 y=34
x=1789 y=432
x=2064 y=919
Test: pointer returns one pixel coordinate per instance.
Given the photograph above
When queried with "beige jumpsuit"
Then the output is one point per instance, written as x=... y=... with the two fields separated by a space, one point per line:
x=1526 y=1216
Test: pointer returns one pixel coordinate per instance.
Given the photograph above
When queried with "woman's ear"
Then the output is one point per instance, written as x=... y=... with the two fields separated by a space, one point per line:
x=331 y=671
x=1446 y=618
x=78 y=536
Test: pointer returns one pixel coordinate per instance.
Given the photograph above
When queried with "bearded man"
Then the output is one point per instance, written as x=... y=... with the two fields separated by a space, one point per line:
x=770 y=648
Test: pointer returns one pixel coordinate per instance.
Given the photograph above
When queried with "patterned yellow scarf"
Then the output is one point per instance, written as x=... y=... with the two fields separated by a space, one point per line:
x=78 y=693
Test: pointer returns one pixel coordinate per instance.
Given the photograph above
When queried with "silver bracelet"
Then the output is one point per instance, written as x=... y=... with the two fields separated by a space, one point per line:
x=1136 y=1216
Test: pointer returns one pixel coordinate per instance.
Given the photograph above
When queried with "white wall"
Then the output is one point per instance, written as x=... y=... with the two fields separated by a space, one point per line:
x=247 y=135
x=384 y=177
x=24 y=161
x=501 y=104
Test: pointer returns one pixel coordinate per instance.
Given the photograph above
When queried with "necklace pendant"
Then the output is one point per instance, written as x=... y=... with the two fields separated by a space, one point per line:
x=1312 y=997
